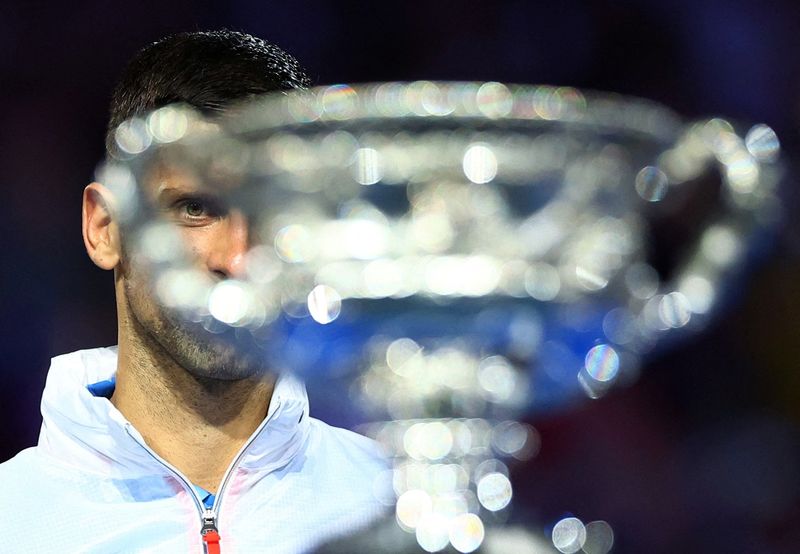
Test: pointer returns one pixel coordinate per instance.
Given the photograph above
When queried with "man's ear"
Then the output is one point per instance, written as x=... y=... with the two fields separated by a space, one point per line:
x=100 y=231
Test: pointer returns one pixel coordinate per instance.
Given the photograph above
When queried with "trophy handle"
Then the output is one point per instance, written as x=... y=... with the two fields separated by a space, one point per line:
x=750 y=171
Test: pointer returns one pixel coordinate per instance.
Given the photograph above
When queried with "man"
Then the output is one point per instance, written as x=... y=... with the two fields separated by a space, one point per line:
x=172 y=442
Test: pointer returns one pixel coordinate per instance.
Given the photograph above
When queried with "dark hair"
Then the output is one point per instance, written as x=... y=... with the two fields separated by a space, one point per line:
x=208 y=70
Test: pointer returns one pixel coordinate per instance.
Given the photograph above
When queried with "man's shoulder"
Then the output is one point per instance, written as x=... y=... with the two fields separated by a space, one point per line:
x=53 y=506
x=347 y=457
x=19 y=468
x=26 y=480
x=25 y=493
x=349 y=476
x=30 y=472
x=348 y=443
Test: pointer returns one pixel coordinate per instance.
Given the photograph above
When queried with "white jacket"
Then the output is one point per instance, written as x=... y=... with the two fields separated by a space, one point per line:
x=93 y=485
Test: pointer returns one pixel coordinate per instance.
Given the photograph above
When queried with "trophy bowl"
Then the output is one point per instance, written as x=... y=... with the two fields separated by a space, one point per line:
x=446 y=258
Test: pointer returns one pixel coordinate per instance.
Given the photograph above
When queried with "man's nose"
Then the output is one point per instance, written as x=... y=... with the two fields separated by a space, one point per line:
x=228 y=256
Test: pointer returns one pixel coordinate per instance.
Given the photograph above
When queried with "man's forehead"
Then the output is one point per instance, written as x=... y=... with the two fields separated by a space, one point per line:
x=188 y=172
x=163 y=177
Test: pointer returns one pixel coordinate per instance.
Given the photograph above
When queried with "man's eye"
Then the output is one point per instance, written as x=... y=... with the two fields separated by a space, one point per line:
x=196 y=209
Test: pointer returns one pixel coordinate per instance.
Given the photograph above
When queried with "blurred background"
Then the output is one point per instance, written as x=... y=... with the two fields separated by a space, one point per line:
x=701 y=454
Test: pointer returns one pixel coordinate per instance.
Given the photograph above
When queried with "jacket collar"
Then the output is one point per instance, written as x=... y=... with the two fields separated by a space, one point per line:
x=88 y=432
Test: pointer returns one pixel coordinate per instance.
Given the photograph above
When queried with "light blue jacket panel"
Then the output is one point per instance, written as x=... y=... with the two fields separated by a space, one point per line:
x=92 y=484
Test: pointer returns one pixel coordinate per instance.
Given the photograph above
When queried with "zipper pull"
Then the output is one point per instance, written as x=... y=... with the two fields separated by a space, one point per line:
x=210 y=533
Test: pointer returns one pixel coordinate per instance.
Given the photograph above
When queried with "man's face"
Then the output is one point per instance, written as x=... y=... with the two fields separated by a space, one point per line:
x=217 y=239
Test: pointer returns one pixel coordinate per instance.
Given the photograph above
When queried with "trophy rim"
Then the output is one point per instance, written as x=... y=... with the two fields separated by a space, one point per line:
x=462 y=103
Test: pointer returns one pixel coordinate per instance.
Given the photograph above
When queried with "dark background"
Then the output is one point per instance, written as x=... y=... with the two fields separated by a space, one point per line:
x=702 y=454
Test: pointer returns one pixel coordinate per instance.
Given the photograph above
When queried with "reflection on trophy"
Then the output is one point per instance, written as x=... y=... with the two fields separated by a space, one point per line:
x=451 y=257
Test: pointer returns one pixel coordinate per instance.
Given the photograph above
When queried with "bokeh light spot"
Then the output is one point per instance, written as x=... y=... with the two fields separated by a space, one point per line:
x=480 y=163
x=651 y=184
x=602 y=362
x=324 y=304
x=494 y=491
x=569 y=535
x=466 y=532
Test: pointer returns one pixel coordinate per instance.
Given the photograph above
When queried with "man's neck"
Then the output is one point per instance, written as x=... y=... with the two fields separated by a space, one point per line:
x=197 y=425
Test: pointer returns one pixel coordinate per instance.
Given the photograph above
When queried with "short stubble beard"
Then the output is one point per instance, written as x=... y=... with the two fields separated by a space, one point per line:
x=204 y=355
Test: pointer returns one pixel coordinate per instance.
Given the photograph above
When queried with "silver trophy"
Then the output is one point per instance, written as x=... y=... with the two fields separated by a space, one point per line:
x=452 y=256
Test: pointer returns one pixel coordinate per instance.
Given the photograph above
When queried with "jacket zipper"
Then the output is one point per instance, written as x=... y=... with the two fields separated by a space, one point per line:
x=209 y=532
x=208 y=517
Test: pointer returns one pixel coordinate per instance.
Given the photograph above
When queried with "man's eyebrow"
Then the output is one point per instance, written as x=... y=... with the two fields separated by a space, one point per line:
x=166 y=190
